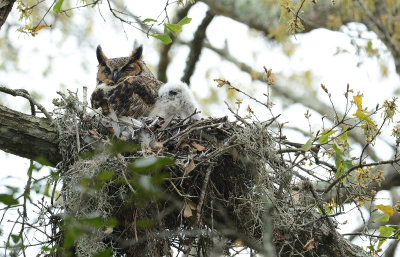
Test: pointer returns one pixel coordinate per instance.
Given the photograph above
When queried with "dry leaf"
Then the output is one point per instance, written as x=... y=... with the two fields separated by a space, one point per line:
x=191 y=204
x=234 y=154
x=190 y=167
x=37 y=28
x=94 y=133
x=184 y=145
x=198 y=147
x=309 y=245
x=108 y=230
x=187 y=212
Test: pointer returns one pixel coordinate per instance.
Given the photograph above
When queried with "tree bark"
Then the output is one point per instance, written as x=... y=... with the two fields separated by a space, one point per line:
x=5 y=8
x=28 y=136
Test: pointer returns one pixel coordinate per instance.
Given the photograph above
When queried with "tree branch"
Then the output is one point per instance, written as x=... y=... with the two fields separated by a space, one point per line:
x=5 y=8
x=28 y=136
x=164 y=53
x=308 y=102
x=196 y=46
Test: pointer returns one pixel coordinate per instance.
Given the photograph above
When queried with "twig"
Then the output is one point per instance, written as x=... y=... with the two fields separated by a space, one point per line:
x=309 y=186
x=23 y=93
x=359 y=166
x=85 y=102
x=235 y=114
x=199 y=207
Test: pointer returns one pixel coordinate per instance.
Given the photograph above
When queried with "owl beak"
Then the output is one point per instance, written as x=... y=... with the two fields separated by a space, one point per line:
x=115 y=76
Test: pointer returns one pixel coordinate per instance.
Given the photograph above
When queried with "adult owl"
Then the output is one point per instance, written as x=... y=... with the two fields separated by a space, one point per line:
x=175 y=99
x=125 y=85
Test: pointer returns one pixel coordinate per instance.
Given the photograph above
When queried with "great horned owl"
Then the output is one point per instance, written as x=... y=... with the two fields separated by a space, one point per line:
x=175 y=99
x=124 y=84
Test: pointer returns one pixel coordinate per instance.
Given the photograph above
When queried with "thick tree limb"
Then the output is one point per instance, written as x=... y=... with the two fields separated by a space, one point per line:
x=28 y=136
x=5 y=8
x=164 y=54
x=196 y=46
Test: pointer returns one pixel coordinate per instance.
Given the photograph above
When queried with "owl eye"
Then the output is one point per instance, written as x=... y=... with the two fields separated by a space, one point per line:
x=129 y=69
x=107 y=71
x=172 y=93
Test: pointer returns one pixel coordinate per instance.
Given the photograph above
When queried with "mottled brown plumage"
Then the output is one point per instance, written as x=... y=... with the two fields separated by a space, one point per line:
x=125 y=84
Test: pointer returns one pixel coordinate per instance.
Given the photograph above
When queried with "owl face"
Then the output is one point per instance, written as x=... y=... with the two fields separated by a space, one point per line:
x=174 y=99
x=114 y=70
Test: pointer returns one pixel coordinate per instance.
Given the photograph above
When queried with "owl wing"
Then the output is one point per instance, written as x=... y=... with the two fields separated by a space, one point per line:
x=99 y=99
x=135 y=96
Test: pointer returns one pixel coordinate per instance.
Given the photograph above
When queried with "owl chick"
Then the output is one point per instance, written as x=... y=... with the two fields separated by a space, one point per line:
x=124 y=84
x=175 y=99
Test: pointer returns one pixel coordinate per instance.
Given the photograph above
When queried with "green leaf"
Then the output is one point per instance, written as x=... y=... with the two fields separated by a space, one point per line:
x=371 y=247
x=46 y=249
x=148 y=20
x=43 y=161
x=362 y=116
x=307 y=146
x=174 y=27
x=146 y=223
x=385 y=231
x=368 y=48
x=384 y=218
x=105 y=253
x=344 y=135
x=57 y=6
x=93 y=221
x=105 y=175
x=163 y=38
x=338 y=150
x=123 y=147
x=318 y=209
x=348 y=164
x=15 y=238
x=70 y=235
x=184 y=21
x=8 y=199
x=340 y=169
x=325 y=136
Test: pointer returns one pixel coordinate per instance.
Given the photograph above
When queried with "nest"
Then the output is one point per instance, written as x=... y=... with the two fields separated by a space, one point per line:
x=162 y=186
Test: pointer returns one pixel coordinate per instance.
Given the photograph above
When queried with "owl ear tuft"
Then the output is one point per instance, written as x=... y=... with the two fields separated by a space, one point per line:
x=101 y=57
x=137 y=53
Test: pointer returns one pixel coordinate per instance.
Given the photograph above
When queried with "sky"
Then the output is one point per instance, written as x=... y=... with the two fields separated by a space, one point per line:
x=315 y=51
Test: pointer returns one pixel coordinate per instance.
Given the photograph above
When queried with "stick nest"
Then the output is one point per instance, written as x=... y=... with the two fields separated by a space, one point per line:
x=220 y=186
